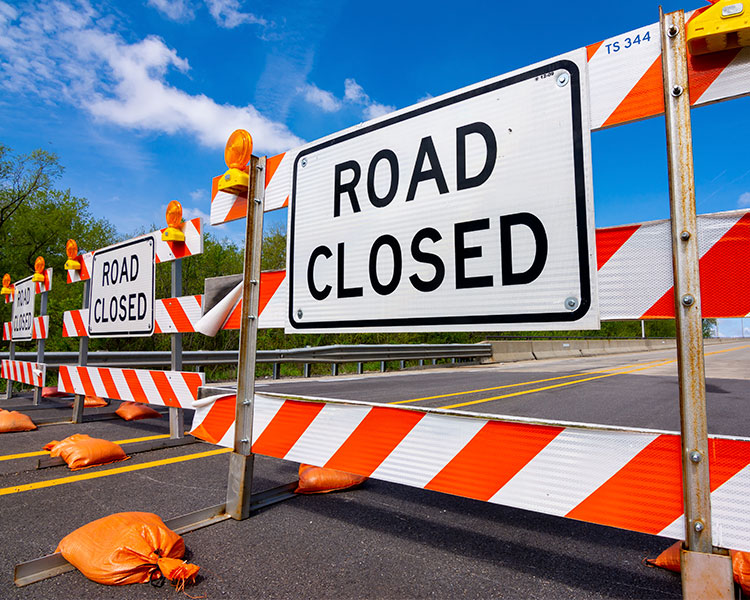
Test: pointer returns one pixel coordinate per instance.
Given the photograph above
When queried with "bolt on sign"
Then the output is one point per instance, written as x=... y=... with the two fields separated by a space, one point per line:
x=470 y=211
x=122 y=290
x=23 y=311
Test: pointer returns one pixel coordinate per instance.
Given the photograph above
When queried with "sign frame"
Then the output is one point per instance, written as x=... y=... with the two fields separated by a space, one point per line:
x=99 y=254
x=584 y=220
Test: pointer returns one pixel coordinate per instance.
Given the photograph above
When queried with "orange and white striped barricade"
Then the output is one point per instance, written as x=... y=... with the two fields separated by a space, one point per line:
x=171 y=315
x=24 y=327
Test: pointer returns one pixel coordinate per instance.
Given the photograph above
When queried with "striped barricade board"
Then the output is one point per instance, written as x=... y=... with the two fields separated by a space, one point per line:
x=625 y=83
x=40 y=331
x=163 y=251
x=24 y=372
x=626 y=478
x=165 y=388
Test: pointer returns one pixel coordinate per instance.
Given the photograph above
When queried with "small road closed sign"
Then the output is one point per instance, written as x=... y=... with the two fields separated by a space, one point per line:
x=122 y=290
x=23 y=311
x=470 y=211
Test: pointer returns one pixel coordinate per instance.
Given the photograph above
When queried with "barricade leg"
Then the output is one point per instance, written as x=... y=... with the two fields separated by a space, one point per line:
x=176 y=416
x=701 y=570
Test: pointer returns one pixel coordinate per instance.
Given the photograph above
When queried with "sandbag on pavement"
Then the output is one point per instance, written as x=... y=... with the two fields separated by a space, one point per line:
x=319 y=480
x=128 y=547
x=11 y=421
x=135 y=411
x=81 y=451
x=93 y=402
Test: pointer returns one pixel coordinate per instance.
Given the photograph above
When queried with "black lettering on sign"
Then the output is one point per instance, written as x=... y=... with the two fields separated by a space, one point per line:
x=485 y=131
x=346 y=188
x=341 y=290
x=420 y=174
x=432 y=234
x=506 y=248
x=392 y=243
x=464 y=252
x=390 y=157
x=318 y=294
x=141 y=305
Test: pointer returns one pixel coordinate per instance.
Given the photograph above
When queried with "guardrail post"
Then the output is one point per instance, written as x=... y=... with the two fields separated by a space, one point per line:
x=360 y=368
x=334 y=368
x=276 y=370
x=308 y=370
x=382 y=366
x=239 y=486
x=176 y=415
x=83 y=359
x=703 y=574
x=40 y=347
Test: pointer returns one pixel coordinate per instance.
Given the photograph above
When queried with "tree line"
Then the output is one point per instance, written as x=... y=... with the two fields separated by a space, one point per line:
x=37 y=218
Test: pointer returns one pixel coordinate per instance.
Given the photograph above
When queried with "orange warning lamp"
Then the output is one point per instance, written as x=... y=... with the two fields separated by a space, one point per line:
x=71 y=249
x=38 y=276
x=237 y=154
x=173 y=232
x=724 y=25
x=7 y=290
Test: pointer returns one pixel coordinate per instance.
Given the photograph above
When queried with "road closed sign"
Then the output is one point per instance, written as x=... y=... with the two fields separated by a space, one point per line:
x=122 y=290
x=470 y=211
x=23 y=311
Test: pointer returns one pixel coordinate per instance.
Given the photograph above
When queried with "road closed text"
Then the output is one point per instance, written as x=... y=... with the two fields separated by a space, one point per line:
x=469 y=212
x=122 y=293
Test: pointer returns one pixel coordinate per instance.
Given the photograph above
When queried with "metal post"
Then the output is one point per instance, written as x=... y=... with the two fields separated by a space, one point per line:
x=83 y=358
x=239 y=486
x=360 y=368
x=40 y=347
x=11 y=356
x=643 y=328
x=308 y=370
x=276 y=370
x=382 y=366
x=699 y=570
x=334 y=368
x=176 y=417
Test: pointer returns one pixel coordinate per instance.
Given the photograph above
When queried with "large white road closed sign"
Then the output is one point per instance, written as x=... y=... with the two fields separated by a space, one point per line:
x=23 y=311
x=122 y=290
x=471 y=211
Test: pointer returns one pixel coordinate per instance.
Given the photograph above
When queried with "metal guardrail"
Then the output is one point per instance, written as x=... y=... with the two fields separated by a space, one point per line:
x=321 y=354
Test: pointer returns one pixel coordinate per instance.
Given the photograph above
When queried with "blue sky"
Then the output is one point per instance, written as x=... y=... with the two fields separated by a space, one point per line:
x=137 y=97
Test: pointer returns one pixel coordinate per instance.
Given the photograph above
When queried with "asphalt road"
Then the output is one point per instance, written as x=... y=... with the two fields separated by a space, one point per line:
x=381 y=540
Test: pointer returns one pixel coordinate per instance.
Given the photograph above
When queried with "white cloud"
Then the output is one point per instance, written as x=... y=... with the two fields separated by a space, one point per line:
x=59 y=53
x=227 y=14
x=199 y=195
x=744 y=201
x=177 y=10
x=354 y=94
x=321 y=98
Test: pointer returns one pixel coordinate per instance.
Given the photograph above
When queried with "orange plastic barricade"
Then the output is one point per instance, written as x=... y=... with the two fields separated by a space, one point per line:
x=14 y=421
x=670 y=559
x=318 y=480
x=81 y=451
x=134 y=411
x=128 y=547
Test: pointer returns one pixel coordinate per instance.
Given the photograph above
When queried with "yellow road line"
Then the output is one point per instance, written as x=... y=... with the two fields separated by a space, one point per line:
x=43 y=452
x=116 y=471
x=551 y=387
x=510 y=385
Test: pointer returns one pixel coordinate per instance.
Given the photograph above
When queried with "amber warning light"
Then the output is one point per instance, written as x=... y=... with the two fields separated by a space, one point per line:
x=71 y=250
x=173 y=232
x=7 y=290
x=38 y=276
x=237 y=154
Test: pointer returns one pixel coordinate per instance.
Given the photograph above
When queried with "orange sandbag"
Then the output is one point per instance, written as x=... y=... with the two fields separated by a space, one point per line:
x=15 y=421
x=53 y=392
x=318 y=480
x=93 y=402
x=128 y=547
x=134 y=411
x=81 y=451
x=670 y=559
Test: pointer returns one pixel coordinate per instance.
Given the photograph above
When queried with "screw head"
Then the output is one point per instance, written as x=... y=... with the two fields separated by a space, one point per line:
x=303 y=162
x=685 y=236
x=672 y=31
x=563 y=79
x=571 y=303
x=687 y=300
x=677 y=91
x=695 y=456
x=299 y=313
x=699 y=526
